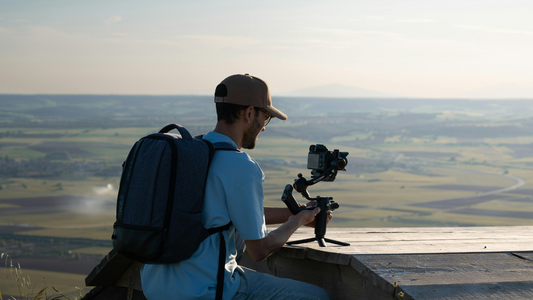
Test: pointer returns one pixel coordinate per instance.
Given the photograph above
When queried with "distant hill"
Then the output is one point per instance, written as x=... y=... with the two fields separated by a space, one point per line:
x=336 y=90
x=107 y=111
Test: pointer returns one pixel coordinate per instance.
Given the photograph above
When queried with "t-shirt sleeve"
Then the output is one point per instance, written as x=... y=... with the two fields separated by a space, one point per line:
x=245 y=207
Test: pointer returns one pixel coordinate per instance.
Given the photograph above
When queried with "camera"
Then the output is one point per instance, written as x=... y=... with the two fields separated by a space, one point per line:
x=320 y=160
x=324 y=165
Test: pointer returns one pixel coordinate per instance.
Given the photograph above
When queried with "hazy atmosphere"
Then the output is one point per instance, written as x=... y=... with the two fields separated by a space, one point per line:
x=428 y=49
x=432 y=100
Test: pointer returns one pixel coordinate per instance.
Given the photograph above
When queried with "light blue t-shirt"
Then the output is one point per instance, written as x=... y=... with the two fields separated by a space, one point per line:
x=233 y=192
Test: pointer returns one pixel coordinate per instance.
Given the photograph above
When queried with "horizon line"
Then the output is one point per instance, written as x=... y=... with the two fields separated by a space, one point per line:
x=283 y=96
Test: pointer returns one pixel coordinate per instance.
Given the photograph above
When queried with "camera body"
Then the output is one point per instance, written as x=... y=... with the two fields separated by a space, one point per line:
x=320 y=159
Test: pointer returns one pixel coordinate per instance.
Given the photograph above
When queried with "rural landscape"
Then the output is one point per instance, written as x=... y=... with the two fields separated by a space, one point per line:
x=411 y=162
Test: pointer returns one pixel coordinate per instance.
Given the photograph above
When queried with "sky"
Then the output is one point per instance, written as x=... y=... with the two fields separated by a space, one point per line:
x=415 y=49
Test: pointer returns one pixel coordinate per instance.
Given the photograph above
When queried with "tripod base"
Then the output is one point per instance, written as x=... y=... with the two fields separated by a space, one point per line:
x=321 y=242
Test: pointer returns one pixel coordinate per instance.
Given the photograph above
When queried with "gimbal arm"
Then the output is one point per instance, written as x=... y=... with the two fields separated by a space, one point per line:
x=301 y=183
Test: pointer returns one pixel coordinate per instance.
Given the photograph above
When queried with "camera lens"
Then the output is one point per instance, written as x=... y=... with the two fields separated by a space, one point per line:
x=341 y=164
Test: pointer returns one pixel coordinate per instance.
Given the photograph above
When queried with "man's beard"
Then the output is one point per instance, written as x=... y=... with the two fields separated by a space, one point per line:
x=250 y=136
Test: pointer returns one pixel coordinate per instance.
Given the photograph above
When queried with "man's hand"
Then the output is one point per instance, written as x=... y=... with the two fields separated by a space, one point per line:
x=306 y=216
x=313 y=203
x=260 y=249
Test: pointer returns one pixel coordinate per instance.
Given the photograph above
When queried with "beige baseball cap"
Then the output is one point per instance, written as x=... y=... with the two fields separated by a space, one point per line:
x=247 y=90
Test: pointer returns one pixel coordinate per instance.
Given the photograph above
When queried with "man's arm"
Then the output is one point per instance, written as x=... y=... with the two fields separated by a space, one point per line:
x=280 y=215
x=276 y=215
x=261 y=249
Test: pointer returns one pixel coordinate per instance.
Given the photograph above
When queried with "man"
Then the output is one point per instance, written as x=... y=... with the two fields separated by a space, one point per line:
x=234 y=193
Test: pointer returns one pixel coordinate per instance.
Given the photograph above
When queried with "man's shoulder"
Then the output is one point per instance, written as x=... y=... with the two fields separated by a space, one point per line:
x=232 y=161
x=235 y=159
x=215 y=137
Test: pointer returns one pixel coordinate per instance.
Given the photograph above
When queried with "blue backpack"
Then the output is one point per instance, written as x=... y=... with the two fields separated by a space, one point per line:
x=161 y=198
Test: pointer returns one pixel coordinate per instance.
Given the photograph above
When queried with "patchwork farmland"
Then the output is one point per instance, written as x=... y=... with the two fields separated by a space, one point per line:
x=411 y=163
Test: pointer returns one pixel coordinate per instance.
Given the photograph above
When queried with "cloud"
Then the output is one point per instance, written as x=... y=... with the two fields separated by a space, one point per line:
x=101 y=200
x=469 y=27
x=3 y=30
x=336 y=31
x=414 y=21
x=105 y=190
x=492 y=30
x=91 y=204
x=113 y=19
x=513 y=31
x=221 y=41
x=350 y=32
x=47 y=34
x=373 y=17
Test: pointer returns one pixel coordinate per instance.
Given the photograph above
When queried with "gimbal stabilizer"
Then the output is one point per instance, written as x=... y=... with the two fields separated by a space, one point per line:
x=330 y=162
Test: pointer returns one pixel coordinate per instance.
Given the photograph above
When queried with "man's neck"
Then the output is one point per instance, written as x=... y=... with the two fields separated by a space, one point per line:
x=232 y=131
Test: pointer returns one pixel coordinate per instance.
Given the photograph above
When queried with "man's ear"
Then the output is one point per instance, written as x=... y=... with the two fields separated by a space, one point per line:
x=247 y=114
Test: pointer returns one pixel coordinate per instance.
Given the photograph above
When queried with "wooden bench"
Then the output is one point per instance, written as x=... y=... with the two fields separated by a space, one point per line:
x=391 y=263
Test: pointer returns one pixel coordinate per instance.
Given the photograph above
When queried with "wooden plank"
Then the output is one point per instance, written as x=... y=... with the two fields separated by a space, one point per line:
x=432 y=263
x=424 y=240
x=131 y=278
x=456 y=276
x=110 y=269
x=341 y=281
x=427 y=263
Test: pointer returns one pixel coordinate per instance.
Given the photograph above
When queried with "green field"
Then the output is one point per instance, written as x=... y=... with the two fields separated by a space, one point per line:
x=365 y=197
x=440 y=163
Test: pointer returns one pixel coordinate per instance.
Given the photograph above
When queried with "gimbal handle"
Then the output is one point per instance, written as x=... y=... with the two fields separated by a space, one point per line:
x=291 y=203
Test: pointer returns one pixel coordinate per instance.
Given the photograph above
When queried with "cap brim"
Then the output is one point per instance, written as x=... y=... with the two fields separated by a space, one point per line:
x=276 y=113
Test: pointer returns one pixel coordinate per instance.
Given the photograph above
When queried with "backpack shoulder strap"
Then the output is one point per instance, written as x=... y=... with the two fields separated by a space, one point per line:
x=222 y=247
x=225 y=146
x=218 y=145
x=221 y=261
